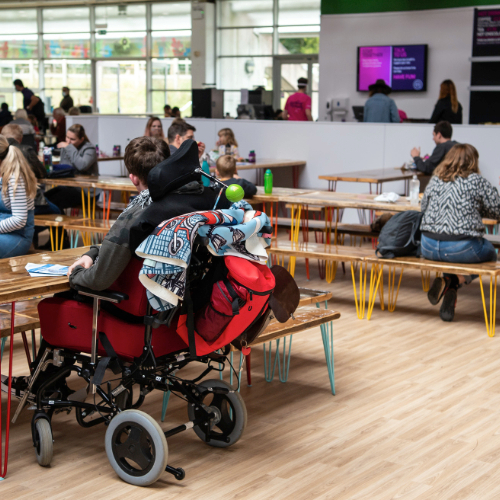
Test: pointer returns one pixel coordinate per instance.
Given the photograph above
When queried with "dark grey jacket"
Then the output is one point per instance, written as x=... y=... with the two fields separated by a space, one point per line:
x=428 y=166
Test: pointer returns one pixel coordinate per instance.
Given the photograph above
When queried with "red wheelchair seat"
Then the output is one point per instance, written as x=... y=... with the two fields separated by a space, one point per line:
x=66 y=323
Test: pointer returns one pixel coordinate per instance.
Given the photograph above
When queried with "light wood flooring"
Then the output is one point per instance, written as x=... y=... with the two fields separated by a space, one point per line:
x=416 y=416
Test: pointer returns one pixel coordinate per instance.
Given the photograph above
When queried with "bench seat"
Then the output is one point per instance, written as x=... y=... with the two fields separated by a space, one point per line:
x=365 y=256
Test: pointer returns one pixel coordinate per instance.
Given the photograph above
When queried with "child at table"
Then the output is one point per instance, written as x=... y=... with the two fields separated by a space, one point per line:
x=225 y=170
x=226 y=138
x=17 y=204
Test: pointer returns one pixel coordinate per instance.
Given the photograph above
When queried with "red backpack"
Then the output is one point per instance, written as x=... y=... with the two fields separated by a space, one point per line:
x=237 y=301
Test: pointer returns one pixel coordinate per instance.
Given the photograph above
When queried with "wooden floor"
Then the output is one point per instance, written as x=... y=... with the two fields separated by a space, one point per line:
x=416 y=416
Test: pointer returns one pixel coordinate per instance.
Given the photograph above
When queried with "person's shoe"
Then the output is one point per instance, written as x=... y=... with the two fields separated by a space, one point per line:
x=447 y=310
x=437 y=290
x=19 y=385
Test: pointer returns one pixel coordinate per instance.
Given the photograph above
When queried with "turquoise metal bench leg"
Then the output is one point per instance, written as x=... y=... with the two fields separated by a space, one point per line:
x=166 y=398
x=2 y=346
x=327 y=335
x=283 y=370
x=268 y=371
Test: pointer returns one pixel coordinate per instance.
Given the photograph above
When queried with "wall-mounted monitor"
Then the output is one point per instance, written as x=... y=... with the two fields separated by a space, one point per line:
x=402 y=67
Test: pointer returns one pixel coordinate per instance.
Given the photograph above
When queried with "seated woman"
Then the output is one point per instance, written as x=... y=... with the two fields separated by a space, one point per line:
x=226 y=138
x=18 y=183
x=154 y=128
x=80 y=153
x=453 y=205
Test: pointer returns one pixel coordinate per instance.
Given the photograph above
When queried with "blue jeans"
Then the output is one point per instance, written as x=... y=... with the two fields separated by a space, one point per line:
x=471 y=251
x=17 y=242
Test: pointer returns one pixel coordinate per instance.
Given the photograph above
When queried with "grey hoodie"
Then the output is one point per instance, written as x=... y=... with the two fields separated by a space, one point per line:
x=83 y=159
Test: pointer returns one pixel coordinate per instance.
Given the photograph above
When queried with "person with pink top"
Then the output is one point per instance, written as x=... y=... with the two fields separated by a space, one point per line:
x=298 y=105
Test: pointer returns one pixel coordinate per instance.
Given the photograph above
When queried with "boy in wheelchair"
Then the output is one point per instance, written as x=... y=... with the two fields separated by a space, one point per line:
x=141 y=347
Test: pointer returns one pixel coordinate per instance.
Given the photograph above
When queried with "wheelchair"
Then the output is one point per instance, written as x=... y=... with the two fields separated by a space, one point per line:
x=117 y=330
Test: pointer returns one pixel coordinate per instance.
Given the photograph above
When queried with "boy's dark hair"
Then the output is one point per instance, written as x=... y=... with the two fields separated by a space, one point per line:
x=177 y=127
x=18 y=82
x=167 y=106
x=444 y=128
x=302 y=82
x=175 y=109
x=226 y=166
x=144 y=153
x=5 y=106
x=190 y=127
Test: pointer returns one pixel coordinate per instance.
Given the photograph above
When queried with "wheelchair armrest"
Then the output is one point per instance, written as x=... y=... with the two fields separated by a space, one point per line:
x=108 y=295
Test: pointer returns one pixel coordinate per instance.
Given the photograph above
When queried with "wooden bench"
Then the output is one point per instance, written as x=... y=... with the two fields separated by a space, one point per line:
x=54 y=222
x=365 y=256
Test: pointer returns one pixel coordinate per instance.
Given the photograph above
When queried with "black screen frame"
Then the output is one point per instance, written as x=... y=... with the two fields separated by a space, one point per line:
x=426 y=58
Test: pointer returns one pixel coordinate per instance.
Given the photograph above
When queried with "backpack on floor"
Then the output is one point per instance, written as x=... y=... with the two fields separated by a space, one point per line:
x=400 y=236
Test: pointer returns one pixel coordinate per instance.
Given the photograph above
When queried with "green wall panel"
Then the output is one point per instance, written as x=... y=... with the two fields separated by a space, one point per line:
x=364 y=6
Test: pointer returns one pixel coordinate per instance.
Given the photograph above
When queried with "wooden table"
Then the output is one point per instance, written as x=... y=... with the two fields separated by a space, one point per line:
x=331 y=199
x=104 y=182
x=57 y=159
x=16 y=285
x=264 y=164
x=376 y=177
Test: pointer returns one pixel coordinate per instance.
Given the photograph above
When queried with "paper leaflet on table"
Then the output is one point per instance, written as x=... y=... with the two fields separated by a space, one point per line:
x=37 y=270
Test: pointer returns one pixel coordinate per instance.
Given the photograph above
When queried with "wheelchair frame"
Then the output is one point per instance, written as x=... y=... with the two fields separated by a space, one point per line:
x=148 y=372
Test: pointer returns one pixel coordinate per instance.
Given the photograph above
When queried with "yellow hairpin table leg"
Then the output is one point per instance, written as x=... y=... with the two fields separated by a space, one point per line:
x=393 y=293
x=491 y=320
x=426 y=280
x=361 y=302
x=294 y=234
x=51 y=239
x=375 y=278
x=84 y=239
x=381 y=289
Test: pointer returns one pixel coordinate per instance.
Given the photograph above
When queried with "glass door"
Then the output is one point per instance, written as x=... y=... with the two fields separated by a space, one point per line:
x=287 y=70
x=121 y=87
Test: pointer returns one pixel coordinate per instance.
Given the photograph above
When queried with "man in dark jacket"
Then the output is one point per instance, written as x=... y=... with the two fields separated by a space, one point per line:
x=174 y=189
x=67 y=101
x=442 y=137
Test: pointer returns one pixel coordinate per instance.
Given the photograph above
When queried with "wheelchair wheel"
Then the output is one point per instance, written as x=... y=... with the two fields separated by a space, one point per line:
x=136 y=447
x=231 y=416
x=44 y=445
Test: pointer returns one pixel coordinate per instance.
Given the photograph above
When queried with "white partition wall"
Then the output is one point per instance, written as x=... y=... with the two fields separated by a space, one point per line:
x=327 y=147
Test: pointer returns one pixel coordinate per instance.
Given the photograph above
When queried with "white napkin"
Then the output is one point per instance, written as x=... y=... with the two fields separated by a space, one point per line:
x=389 y=197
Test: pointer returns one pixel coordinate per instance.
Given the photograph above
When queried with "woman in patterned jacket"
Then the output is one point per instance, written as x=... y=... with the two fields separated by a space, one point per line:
x=454 y=204
x=17 y=203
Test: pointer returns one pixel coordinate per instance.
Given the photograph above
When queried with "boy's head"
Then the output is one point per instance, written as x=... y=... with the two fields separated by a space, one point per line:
x=226 y=166
x=141 y=155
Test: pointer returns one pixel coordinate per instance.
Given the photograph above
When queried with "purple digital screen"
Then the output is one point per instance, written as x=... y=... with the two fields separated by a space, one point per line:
x=402 y=67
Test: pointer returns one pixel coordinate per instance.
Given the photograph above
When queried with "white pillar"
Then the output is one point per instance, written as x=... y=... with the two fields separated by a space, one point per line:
x=202 y=44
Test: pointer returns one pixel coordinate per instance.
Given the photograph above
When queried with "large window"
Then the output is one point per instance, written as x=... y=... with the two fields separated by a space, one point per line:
x=109 y=48
x=251 y=33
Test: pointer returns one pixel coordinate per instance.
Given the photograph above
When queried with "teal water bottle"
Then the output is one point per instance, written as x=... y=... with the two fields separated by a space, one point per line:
x=206 y=168
x=268 y=182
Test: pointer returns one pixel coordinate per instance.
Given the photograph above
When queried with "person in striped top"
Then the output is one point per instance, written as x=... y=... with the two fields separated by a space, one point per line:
x=18 y=185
